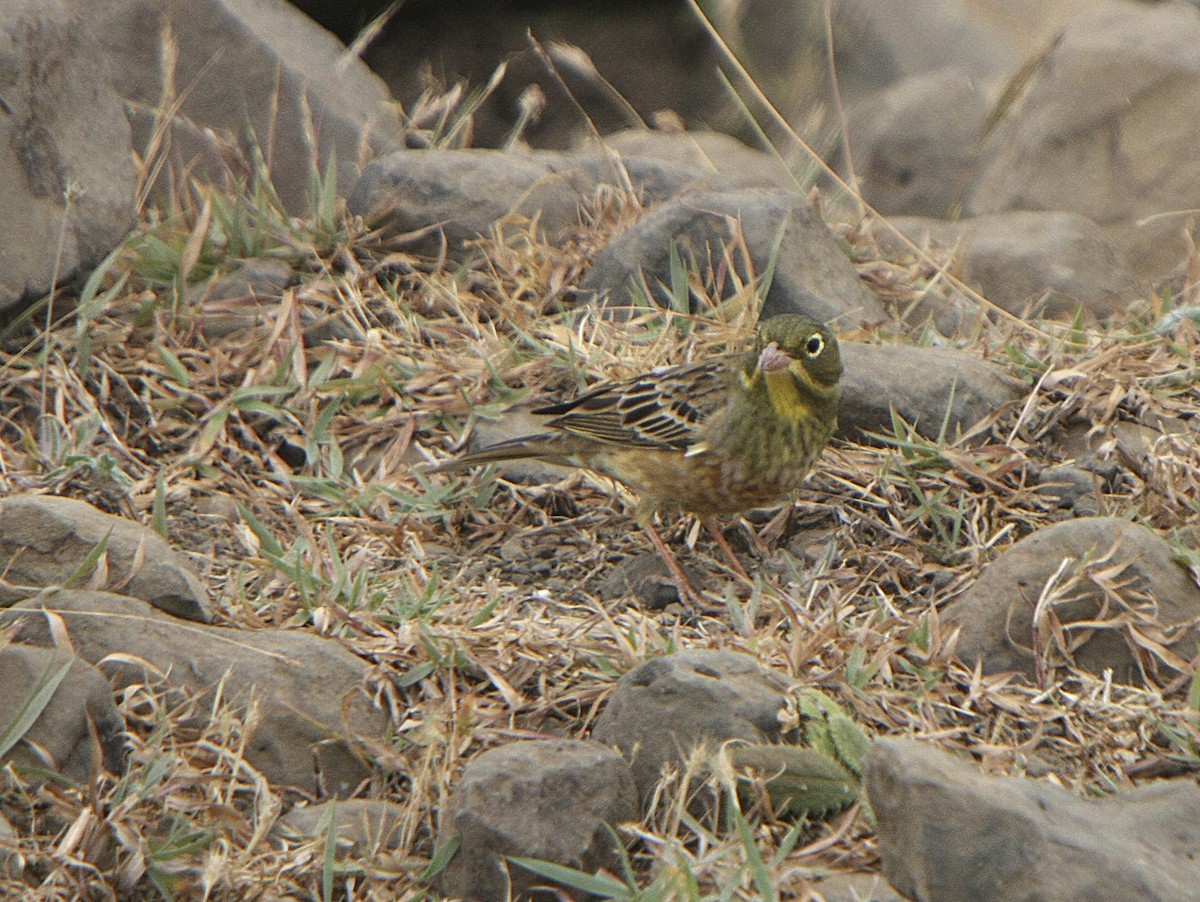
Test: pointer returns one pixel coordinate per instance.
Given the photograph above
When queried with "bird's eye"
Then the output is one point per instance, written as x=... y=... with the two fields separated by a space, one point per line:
x=815 y=344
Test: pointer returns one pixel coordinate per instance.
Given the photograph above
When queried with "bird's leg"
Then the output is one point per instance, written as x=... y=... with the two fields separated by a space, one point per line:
x=690 y=597
x=715 y=531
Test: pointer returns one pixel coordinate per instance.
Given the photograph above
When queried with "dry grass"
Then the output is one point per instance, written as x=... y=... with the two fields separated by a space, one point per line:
x=282 y=458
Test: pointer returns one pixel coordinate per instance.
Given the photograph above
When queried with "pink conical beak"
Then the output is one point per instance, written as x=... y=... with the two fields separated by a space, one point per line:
x=771 y=360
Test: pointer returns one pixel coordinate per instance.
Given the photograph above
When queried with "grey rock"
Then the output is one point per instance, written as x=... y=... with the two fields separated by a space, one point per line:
x=1070 y=487
x=917 y=36
x=662 y=709
x=725 y=159
x=253 y=277
x=652 y=180
x=996 y=613
x=1036 y=263
x=855 y=888
x=876 y=45
x=452 y=197
x=553 y=800
x=947 y=832
x=12 y=862
x=254 y=70
x=646 y=577
x=1096 y=132
x=67 y=178
x=242 y=300
x=914 y=142
x=1143 y=448
x=923 y=385
x=44 y=541
x=363 y=824
x=248 y=302
x=79 y=732
x=310 y=691
x=812 y=275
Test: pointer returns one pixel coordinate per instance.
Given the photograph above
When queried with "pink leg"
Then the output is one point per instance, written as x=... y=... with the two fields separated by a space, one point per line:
x=715 y=531
x=690 y=597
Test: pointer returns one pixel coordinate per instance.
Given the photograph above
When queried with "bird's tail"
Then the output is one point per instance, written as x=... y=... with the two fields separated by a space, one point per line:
x=543 y=446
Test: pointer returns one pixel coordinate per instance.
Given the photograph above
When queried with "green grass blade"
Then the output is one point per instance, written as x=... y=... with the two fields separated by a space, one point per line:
x=33 y=706
x=88 y=565
x=604 y=885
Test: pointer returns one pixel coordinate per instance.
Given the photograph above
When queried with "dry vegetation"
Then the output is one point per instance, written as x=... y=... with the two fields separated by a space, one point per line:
x=282 y=458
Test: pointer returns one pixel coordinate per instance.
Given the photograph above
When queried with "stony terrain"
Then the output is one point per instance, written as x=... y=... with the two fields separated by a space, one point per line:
x=253 y=648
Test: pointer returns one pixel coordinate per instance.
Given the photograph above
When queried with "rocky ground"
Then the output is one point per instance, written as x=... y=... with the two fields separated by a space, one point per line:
x=252 y=648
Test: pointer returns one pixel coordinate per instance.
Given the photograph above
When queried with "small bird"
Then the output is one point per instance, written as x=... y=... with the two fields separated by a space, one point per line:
x=710 y=439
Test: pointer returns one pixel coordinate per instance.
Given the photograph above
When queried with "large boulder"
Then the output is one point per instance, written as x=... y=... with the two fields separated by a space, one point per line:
x=47 y=541
x=255 y=72
x=662 y=710
x=781 y=233
x=1097 y=592
x=554 y=800
x=948 y=832
x=1097 y=130
x=77 y=731
x=67 y=175
x=305 y=697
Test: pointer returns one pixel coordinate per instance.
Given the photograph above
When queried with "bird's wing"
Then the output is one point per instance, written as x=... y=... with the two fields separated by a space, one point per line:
x=662 y=409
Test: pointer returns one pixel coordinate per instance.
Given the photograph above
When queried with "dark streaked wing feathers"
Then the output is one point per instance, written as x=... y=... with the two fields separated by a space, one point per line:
x=660 y=410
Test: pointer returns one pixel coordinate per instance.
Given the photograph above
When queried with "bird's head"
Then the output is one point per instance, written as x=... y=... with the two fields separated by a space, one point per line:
x=804 y=348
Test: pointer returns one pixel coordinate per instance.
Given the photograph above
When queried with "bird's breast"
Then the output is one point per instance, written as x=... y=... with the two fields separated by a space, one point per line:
x=709 y=483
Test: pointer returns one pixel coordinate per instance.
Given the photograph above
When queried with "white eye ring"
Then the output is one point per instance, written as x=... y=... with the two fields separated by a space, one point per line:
x=815 y=344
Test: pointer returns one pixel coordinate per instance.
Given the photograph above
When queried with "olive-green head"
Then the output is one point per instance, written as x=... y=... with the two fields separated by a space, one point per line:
x=806 y=348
